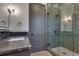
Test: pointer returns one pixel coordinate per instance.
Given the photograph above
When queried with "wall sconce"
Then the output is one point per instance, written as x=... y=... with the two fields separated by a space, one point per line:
x=11 y=9
x=67 y=19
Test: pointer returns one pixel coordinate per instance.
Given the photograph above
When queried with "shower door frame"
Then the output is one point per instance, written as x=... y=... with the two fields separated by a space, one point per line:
x=59 y=22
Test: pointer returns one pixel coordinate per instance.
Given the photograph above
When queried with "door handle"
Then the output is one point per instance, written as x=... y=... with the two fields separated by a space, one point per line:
x=48 y=44
x=56 y=33
x=32 y=34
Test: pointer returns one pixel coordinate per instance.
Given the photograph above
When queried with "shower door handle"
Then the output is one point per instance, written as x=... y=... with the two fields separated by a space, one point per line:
x=56 y=32
x=32 y=34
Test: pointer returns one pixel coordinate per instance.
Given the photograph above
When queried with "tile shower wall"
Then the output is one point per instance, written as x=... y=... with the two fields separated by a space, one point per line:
x=76 y=27
x=66 y=34
x=70 y=39
x=66 y=15
x=66 y=40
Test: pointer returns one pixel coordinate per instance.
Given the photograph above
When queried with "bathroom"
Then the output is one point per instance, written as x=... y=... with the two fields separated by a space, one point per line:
x=39 y=29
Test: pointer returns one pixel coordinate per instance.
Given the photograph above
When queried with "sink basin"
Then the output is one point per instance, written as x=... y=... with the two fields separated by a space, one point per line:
x=14 y=43
x=19 y=42
x=3 y=43
x=16 y=39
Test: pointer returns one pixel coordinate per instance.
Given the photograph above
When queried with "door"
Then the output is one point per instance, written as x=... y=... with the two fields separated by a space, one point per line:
x=37 y=26
x=53 y=26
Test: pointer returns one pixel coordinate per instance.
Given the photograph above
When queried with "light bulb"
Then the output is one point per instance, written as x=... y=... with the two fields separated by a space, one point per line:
x=10 y=9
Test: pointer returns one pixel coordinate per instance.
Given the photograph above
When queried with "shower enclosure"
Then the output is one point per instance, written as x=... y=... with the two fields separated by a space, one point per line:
x=63 y=29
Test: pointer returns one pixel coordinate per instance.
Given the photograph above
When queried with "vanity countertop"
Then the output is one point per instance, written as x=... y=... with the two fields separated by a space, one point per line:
x=14 y=43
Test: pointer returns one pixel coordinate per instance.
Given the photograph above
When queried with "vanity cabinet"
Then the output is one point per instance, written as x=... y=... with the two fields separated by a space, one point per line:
x=19 y=19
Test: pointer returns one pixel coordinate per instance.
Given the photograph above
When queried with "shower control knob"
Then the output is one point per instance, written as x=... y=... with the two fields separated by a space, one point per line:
x=55 y=32
x=47 y=13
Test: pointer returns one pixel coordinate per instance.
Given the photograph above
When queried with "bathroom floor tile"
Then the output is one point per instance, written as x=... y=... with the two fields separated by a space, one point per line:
x=41 y=53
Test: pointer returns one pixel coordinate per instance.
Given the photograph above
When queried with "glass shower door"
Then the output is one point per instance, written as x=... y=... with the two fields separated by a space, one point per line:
x=76 y=28
x=53 y=29
x=66 y=34
x=60 y=35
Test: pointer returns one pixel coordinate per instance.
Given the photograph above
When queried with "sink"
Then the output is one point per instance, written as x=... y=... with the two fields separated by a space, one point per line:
x=16 y=39
x=14 y=43
x=3 y=44
x=19 y=42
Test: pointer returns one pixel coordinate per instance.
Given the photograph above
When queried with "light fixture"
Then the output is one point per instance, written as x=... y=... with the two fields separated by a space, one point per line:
x=11 y=9
x=67 y=19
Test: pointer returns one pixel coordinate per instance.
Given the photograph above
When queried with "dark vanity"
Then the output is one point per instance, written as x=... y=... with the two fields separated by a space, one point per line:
x=14 y=30
x=14 y=44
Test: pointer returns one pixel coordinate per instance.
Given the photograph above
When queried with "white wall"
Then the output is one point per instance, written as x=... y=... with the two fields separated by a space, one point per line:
x=21 y=15
x=3 y=15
